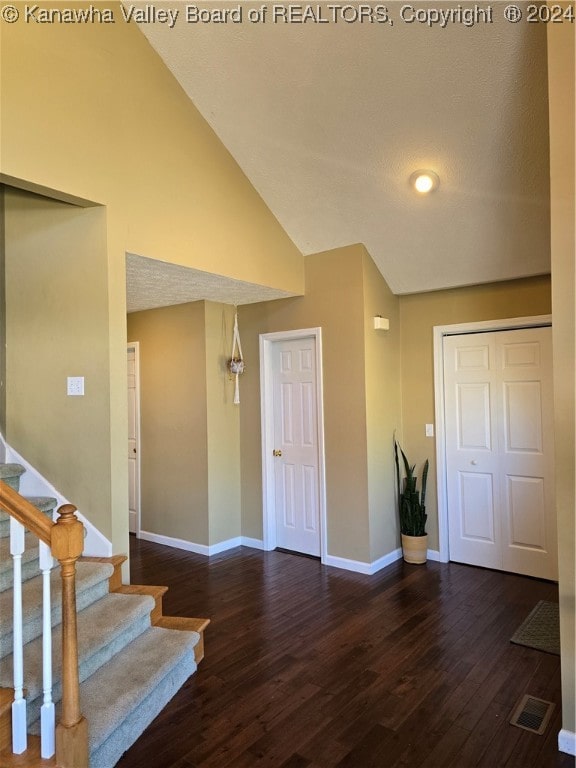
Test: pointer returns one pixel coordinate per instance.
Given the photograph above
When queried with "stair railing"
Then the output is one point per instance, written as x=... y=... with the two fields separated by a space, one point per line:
x=63 y=540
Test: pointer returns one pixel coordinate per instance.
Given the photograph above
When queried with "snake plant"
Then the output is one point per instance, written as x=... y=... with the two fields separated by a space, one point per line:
x=411 y=502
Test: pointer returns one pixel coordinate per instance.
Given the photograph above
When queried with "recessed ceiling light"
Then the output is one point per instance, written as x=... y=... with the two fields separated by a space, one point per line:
x=424 y=181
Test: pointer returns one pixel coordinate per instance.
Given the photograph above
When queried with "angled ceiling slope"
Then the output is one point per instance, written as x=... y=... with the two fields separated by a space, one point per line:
x=328 y=121
x=151 y=284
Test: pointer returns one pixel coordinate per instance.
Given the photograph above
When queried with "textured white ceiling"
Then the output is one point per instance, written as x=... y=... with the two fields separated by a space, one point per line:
x=151 y=284
x=328 y=121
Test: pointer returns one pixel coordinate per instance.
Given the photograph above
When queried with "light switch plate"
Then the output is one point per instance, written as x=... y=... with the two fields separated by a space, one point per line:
x=429 y=430
x=75 y=386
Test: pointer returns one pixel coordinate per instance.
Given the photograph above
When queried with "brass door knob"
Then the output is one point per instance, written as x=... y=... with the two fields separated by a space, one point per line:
x=275 y=452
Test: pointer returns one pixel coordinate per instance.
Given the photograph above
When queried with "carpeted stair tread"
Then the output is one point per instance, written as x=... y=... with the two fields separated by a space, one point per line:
x=29 y=561
x=104 y=629
x=128 y=669
x=10 y=474
x=46 y=505
x=91 y=585
x=112 y=749
x=121 y=699
x=43 y=503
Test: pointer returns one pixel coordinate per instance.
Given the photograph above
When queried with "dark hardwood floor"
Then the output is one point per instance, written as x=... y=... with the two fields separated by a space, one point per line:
x=313 y=667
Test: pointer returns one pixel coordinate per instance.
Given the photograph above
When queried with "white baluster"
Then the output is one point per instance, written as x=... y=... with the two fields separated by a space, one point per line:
x=17 y=546
x=47 y=712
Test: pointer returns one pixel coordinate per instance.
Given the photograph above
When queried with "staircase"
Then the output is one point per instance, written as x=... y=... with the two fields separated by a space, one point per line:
x=131 y=658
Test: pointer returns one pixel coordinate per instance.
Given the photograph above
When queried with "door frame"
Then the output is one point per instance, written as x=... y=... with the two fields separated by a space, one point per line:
x=135 y=345
x=267 y=341
x=439 y=331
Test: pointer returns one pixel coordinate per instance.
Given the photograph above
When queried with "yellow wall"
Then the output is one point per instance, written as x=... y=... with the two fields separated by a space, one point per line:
x=91 y=110
x=419 y=313
x=2 y=322
x=57 y=326
x=190 y=440
x=223 y=427
x=382 y=372
x=90 y=113
x=336 y=284
x=561 y=67
x=174 y=462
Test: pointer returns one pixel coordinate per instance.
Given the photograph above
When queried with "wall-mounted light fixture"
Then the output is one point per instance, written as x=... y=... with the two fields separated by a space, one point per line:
x=424 y=181
x=381 y=323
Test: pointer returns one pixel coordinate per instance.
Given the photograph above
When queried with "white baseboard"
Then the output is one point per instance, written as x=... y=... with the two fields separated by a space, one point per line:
x=202 y=549
x=377 y=565
x=245 y=541
x=347 y=565
x=32 y=483
x=359 y=567
x=252 y=543
x=169 y=541
x=567 y=742
x=224 y=546
x=385 y=561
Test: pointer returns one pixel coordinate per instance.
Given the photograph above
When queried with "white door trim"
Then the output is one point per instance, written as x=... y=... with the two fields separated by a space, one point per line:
x=439 y=332
x=267 y=422
x=135 y=345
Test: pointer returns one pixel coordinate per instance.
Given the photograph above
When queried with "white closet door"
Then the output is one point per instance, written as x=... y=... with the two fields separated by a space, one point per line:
x=499 y=450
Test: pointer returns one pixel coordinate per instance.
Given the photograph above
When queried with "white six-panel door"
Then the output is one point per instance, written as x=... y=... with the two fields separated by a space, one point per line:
x=499 y=450
x=296 y=462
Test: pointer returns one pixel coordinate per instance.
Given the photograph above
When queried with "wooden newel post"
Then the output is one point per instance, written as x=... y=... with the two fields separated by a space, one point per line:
x=72 y=730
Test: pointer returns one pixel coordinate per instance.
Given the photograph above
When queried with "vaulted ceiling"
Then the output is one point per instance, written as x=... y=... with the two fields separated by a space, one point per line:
x=329 y=117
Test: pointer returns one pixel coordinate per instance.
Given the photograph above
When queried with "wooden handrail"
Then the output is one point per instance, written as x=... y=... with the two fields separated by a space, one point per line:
x=65 y=537
x=27 y=514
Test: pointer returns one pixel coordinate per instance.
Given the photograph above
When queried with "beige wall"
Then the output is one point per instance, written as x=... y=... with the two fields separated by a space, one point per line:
x=561 y=67
x=173 y=457
x=419 y=313
x=336 y=284
x=361 y=403
x=367 y=376
x=223 y=427
x=57 y=326
x=2 y=323
x=333 y=302
x=92 y=114
x=190 y=441
x=382 y=372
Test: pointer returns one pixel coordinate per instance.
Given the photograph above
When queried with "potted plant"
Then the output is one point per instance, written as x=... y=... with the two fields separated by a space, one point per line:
x=411 y=509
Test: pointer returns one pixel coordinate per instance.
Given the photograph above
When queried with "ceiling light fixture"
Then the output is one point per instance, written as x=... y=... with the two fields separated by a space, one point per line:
x=424 y=181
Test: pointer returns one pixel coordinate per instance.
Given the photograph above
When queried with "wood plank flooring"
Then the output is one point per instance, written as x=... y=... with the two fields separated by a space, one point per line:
x=312 y=667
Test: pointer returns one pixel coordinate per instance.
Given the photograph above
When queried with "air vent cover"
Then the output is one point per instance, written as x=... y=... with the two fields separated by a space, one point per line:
x=532 y=714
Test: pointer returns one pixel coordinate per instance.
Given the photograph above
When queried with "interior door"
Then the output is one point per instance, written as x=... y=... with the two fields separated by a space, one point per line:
x=296 y=462
x=133 y=442
x=499 y=450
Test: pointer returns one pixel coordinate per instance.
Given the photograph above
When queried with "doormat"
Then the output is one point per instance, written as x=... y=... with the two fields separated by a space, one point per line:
x=541 y=629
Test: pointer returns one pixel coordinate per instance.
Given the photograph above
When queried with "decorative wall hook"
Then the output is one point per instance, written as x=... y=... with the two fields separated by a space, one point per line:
x=236 y=362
